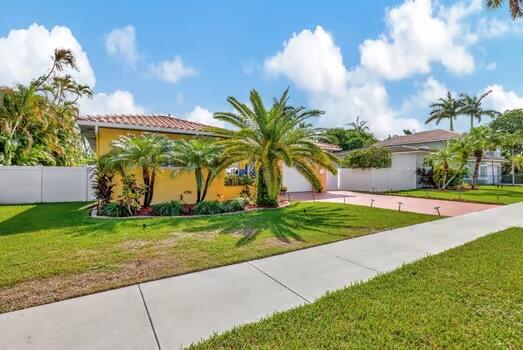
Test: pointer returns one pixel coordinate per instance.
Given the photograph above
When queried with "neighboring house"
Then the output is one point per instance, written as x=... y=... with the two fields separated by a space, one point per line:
x=102 y=130
x=409 y=151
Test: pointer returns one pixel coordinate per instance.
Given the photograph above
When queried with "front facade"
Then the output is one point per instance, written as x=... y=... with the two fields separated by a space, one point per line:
x=102 y=130
x=409 y=151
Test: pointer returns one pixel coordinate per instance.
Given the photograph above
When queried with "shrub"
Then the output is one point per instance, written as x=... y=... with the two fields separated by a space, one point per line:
x=237 y=204
x=425 y=177
x=238 y=180
x=372 y=157
x=131 y=194
x=438 y=174
x=172 y=208
x=114 y=210
x=208 y=208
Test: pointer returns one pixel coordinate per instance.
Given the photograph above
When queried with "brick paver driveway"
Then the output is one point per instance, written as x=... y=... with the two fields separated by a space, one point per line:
x=417 y=205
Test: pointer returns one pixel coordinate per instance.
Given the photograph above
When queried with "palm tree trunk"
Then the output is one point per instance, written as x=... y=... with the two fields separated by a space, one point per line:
x=146 y=182
x=206 y=184
x=471 y=122
x=199 y=180
x=451 y=123
x=476 y=172
x=151 y=188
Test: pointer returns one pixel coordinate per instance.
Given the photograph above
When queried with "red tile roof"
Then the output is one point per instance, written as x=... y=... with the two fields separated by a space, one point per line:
x=420 y=137
x=163 y=121
x=328 y=147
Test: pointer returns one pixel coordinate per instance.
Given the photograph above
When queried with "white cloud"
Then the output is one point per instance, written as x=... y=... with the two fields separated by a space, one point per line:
x=121 y=42
x=417 y=37
x=172 y=71
x=501 y=100
x=26 y=54
x=114 y=103
x=314 y=63
x=311 y=60
x=430 y=90
x=492 y=27
x=491 y=66
x=203 y=116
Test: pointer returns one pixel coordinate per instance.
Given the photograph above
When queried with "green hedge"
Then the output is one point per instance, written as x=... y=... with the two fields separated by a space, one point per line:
x=372 y=157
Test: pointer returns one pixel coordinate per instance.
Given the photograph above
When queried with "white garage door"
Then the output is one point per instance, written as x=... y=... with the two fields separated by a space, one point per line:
x=294 y=181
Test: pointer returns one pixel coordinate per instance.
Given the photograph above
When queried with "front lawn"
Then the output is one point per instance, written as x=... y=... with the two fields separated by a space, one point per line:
x=470 y=297
x=50 y=252
x=485 y=194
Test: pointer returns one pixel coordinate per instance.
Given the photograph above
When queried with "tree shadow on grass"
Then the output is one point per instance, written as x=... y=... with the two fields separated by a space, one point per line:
x=287 y=224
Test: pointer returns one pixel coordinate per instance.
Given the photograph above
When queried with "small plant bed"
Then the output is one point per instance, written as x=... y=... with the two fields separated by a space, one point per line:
x=469 y=297
x=488 y=194
x=52 y=252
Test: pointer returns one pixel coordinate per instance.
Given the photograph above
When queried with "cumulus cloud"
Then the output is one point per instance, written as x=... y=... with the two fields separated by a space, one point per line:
x=418 y=36
x=203 y=116
x=173 y=71
x=501 y=99
x=491 y=66
x=313 y=61
x=121 y=43
x=26 y=54
x=429 y=91
x=118 y=102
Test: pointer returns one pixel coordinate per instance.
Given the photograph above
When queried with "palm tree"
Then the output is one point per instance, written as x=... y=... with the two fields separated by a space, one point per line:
x=444 y=159
x=461 y=148
x=359 y=125
x=148 y=152
x=471 y=106
x=515 y=7
x=444 y=108
x=270 y=137
x=511 y=142
x=481 y=139
x=198 y=156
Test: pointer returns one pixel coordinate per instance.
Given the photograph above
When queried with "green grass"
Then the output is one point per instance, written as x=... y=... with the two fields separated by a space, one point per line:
x=50 y=252
x=485 y=194
x=470 y=297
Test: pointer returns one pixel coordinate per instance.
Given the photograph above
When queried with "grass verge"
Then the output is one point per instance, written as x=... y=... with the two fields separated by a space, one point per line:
x=51 y=252
x=470 y=297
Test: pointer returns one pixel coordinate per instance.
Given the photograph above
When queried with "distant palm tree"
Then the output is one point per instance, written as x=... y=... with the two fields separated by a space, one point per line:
x=444 y=159
x=515 y=7
x=205 y=158
x=147 y=151
x=512 y=142
x=444 y=108
x=471 y=106
x=270 y=137
x=481 y=139
x=359 y=125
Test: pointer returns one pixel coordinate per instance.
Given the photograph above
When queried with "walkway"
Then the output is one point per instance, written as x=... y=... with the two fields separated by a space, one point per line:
x=175 y=312
x=417 y=205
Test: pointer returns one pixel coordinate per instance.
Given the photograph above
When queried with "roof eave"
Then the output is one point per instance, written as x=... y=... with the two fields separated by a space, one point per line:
x=81 y=122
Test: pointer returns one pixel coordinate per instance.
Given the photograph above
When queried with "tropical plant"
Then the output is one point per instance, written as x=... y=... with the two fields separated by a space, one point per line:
x=359 y=125
x=270 y=137
x=515 y=7
x=347 y=139
x=131 y=194
x=203 y=157
x=104 y=175
x=114 y=209
x=172 y=208
x=237 y=204
x=471 y=106
x=511 y=121
x=372 y=157
x=481 y=139
x=208 y=208
x=444 y=108
x=442 y=161
x=147 y=152
x=511 y=143
x=461 y=149
x=517 y=160
x=38 y=121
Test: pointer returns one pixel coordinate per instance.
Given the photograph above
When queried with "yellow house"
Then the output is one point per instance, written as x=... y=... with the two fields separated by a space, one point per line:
x=102 y=130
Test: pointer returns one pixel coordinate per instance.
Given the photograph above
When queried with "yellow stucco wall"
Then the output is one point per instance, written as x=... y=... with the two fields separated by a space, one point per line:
x=167 y=187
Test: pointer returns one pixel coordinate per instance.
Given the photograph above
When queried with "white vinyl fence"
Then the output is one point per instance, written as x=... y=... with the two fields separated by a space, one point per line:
x=378 y=180
x=38 y=184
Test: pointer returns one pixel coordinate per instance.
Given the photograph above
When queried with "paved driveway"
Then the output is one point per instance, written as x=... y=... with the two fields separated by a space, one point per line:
x=417 y=205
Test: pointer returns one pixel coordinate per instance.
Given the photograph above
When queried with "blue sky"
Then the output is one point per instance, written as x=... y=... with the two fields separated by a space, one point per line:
x=383 y=60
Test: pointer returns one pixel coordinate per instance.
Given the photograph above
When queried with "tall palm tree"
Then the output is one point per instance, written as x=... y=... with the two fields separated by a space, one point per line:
x=198 y=156
x=481 y=139
x=148 y=152
x=359 y=125
x=445 y=108
x=471 y=106
x=515 y=7
x=270 y=137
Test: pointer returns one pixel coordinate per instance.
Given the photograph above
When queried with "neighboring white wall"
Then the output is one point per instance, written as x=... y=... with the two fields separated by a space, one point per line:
x=35 y=184
x=294 y=181
x=379 y=180
x=332 y=181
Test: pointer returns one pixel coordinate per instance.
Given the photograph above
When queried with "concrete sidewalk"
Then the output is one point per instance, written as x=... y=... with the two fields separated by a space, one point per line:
x=175 y=312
